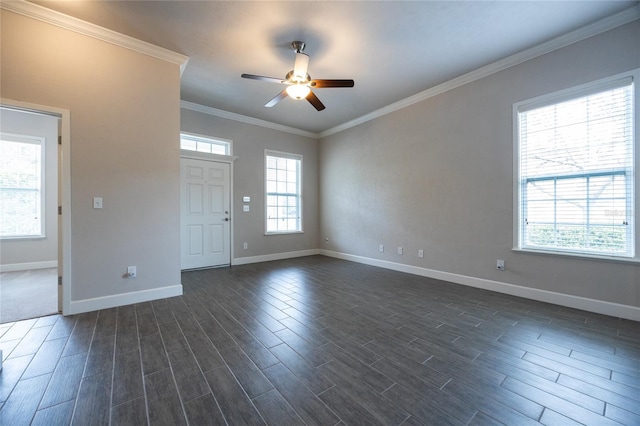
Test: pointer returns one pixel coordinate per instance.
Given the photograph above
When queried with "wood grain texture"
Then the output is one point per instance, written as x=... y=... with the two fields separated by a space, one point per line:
x=320 y=341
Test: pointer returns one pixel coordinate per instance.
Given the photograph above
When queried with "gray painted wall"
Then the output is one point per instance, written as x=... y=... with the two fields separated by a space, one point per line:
x=249 y=143
x=435 y=176
x=18 y=251
x=438 y=176
x=125 y=124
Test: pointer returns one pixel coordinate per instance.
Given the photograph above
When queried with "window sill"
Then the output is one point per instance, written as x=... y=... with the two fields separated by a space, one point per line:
x=627 y=260
x=283 y=232
x=25 y=238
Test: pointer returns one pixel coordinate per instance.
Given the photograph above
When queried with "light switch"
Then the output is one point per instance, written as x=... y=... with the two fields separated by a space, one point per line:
x=246 y=199
x=245 y=208
x=97 y=202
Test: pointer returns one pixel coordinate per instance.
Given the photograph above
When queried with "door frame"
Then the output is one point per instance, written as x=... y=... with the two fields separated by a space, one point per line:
x=216 y=158
x=64 y=193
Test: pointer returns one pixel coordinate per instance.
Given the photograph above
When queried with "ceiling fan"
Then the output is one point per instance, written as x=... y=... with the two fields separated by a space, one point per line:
x=298 y=81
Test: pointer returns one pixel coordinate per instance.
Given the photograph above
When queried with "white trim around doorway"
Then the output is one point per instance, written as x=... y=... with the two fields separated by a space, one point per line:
x=64 y=174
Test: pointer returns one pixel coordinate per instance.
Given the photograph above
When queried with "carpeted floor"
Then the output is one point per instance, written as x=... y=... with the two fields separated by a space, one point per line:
x=28 y=294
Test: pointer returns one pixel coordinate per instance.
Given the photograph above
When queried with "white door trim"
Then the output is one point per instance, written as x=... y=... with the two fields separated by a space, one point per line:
x=217 y=158
x=64 y=178
x=228 y=159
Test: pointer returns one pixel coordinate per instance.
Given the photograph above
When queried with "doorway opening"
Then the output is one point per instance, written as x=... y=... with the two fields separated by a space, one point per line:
x=30 y=240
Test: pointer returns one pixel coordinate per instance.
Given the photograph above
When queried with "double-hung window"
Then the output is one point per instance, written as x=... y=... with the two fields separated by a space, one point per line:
x=576 y=170
x=21 y=186
x=283 y=181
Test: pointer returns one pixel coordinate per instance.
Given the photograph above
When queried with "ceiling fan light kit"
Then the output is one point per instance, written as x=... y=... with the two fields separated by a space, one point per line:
x=298 y=91
x=299 y=82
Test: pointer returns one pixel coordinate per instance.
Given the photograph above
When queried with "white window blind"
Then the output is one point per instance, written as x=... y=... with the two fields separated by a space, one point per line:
x=576 y=169
x=283 y=192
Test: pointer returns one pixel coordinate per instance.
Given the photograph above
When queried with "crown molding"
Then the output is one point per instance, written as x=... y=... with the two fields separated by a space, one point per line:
x=44 y=14
x=61 y=20
x=246 y=119
x=575 y=36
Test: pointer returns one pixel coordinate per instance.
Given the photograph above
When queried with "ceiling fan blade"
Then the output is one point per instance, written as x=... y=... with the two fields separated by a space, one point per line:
x=263 y=78
x=313 y=100
x=277 y=98
x=331 y=83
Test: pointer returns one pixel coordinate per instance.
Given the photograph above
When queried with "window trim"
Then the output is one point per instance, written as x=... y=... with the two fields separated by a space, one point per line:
x=40 y=141
x=618 y=80
x=292 y=156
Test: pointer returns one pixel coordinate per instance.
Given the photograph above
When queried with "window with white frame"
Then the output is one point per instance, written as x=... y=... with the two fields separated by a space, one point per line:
x=191 y=142
x=576 y=170
x=21 y=186
x=283 y=181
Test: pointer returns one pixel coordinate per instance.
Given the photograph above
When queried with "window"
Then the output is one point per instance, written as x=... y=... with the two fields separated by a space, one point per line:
x=21 y=186
x=283 y=177
x=576 y=171
x=198 y=143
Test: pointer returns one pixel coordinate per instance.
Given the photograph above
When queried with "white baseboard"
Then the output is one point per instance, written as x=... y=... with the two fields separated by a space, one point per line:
x=12 y=267
x=577 y=302
x=105 y=302
x=275 y=256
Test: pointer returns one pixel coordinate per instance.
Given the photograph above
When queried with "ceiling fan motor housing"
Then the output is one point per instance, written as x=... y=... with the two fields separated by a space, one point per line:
x=300 y=67
x=291 y=78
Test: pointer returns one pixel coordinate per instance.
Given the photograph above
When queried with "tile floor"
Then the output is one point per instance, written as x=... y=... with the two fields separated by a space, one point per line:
x=320 y=341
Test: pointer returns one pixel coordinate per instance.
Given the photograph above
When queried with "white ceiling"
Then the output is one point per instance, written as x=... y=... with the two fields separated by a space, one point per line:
x=391 y=49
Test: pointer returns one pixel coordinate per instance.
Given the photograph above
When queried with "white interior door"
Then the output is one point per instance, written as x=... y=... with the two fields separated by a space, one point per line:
x=205 y=214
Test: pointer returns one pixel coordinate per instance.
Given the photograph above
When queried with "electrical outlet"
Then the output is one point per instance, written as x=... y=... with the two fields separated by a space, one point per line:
x=381 y=248
x=420 y=253
x=245 y=246
x=131 y=271
x=326 y=240
x=399 y=250
x=500 y=265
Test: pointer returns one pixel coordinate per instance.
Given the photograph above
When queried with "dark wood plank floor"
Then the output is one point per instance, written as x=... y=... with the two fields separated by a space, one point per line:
x=320 y=341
